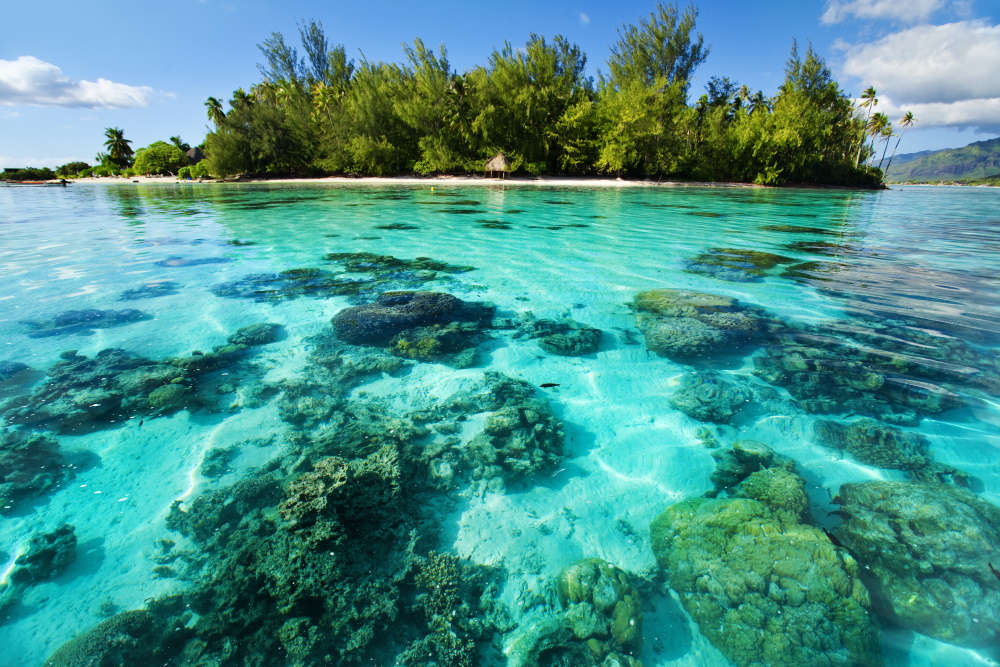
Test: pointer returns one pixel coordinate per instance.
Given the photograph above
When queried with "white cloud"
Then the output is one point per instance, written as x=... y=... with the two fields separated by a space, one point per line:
x=7 y=161
x=584 y=19
x=950 y=72
x=909 y=11
x=29 y=80
x=983 y=113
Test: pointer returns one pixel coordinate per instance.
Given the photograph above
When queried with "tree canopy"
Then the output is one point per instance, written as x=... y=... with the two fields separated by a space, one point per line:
x=322 y=113
x=159 y=158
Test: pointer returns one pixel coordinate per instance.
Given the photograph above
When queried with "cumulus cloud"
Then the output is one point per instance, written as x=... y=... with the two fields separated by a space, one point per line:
x=29 y=80
x=910 y=11
x=950 y=72
x=584 y=19
x=982 y=114
x=7 y=161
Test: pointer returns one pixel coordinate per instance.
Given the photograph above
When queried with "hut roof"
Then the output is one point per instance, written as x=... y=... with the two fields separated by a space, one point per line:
x=195 y=155
x=498 y=162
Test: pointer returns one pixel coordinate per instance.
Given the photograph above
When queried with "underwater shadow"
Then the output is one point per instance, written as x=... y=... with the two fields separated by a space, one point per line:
x=666 y=631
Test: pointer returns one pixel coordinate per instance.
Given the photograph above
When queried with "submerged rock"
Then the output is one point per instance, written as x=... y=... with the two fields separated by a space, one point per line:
x=30 y=464
x=395 y=312
x=128 y=638
x=83 y=322
x=735 y=264
x=685 y=324
x=745 y=457
x=876 y=444
x=707 y=397
x=451 y=343
x=602 y=603
x=150 y=291
x=261 y=333
x=930 y=549
x=764 y=588
x=566 y=337
x=8 y=369
x=45 y=556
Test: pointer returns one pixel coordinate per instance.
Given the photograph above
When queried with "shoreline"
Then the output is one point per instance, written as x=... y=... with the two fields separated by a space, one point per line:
x=540 y=181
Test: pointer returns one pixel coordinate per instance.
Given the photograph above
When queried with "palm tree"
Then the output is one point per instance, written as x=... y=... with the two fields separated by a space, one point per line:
x=886 y=134
x=869 y=101
x=876 y=124
x=176 y=141
x=758 y=102
x=119 y=151
x=215 y=112
x=904 y=122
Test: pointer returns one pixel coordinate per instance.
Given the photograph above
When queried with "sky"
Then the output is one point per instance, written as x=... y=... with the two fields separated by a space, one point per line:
x=70 y=69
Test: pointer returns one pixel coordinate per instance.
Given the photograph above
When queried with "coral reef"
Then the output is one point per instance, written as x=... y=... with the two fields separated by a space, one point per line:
x=150 y=290
x=180 y=262
x=395 y=312
x=566 y=337
x=684 y=324
x=764 y=588
x=44 y=556
x=518 y=440
x=8 y=369
x=457 y=602
x=83 y=322
x=291 y=284
x=930 y=549
x=30 y=465
x=735 y=264
x=707 y=397
x=115 y=385
x=450 y=343
x=603 y=606
x=830 y=375
x=128 y=638
x=367 y=262
x=876 y=444
x=262 y=333
x=745 y=457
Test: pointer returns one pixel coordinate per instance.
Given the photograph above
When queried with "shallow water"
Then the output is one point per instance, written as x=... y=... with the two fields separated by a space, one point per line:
x=905 y=280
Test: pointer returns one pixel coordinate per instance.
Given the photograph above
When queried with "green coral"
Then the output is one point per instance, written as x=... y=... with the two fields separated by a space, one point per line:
x=707 y=397
x=604 y=597
x=876 y=444
x=123 y=639
x=764 y=588
x=931 y=549
x=683 y=324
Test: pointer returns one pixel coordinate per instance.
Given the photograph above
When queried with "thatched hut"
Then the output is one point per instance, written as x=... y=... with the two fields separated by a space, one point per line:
x=195 y=155
x=498 y=162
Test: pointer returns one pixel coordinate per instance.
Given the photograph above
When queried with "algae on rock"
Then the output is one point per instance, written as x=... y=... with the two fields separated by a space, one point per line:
x=930 y=547
x=764 y=588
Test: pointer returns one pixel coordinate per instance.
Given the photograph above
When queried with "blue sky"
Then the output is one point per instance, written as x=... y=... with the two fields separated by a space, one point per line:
x=68 y=69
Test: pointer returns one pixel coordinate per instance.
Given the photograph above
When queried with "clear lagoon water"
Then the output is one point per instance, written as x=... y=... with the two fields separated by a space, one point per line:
x=784 y=450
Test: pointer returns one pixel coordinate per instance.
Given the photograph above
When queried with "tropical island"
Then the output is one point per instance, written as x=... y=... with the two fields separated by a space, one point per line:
x=323 y=114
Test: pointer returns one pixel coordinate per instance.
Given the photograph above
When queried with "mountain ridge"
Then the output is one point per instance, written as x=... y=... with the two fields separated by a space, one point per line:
x=980 y=159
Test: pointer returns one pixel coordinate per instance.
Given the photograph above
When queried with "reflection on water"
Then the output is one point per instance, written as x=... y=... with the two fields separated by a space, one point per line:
x=499 y=425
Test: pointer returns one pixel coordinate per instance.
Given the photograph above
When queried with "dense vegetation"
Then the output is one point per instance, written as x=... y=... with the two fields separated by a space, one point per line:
x=977 y=161
x=323 y=113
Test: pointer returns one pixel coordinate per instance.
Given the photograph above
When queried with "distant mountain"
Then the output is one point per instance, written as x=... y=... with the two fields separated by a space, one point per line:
x=977 y=160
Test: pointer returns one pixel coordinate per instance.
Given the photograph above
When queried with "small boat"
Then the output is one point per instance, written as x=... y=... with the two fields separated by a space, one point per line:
x=37 y=183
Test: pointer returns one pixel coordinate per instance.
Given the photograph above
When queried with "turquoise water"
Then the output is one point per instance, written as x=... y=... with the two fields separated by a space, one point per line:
x=427 y=490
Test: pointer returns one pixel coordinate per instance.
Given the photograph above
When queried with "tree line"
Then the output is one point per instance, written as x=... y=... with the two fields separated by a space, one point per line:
x=322 y=113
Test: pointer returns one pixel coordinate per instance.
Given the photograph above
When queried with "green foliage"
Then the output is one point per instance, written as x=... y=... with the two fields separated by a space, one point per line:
x=119 y=149
x=71 y=169
x=200 y=170
x=28 y=174
x=184 y=173
x=159 y=158
x=320 y=113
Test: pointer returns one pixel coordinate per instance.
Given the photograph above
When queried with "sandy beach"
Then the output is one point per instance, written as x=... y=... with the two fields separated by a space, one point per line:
x=559 y=181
